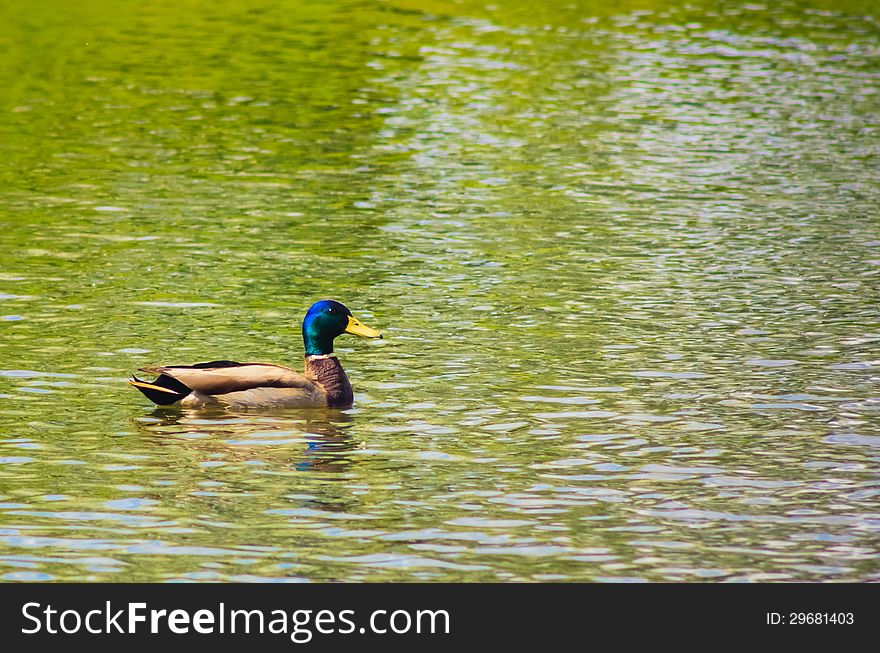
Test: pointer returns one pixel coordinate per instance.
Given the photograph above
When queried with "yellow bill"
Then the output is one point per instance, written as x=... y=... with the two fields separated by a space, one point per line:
x=359 y=329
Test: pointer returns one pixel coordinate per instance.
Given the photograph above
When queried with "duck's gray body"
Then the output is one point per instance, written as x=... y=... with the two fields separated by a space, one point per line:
x=226 y=384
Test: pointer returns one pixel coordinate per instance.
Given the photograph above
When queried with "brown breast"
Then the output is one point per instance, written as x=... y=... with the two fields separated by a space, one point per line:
x=328 y=373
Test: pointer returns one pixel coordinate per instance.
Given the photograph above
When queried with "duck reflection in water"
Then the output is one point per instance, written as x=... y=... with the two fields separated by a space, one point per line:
x=277 y=437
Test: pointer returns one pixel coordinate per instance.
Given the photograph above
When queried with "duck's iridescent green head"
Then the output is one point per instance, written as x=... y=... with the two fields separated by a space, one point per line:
x=327 y=319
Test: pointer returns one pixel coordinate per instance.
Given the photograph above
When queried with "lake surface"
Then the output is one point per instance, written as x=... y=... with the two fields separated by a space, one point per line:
x=626 y=261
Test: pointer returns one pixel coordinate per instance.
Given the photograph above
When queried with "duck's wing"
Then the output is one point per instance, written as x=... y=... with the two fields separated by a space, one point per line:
x=223 y=377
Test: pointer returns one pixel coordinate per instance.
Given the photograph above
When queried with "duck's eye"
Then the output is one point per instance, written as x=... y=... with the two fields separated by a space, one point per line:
x=329 y=310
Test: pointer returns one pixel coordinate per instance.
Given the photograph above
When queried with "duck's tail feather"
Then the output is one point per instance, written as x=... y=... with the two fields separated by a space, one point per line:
x=164 y=391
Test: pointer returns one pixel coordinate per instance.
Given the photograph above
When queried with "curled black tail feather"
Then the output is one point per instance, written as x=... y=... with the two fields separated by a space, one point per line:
x=173 y=392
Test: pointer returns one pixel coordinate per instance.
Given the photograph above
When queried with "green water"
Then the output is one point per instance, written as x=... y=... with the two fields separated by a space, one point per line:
x=625 y=257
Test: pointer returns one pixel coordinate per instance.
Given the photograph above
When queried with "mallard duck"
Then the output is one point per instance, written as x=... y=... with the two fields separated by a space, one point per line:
x=226 y=384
